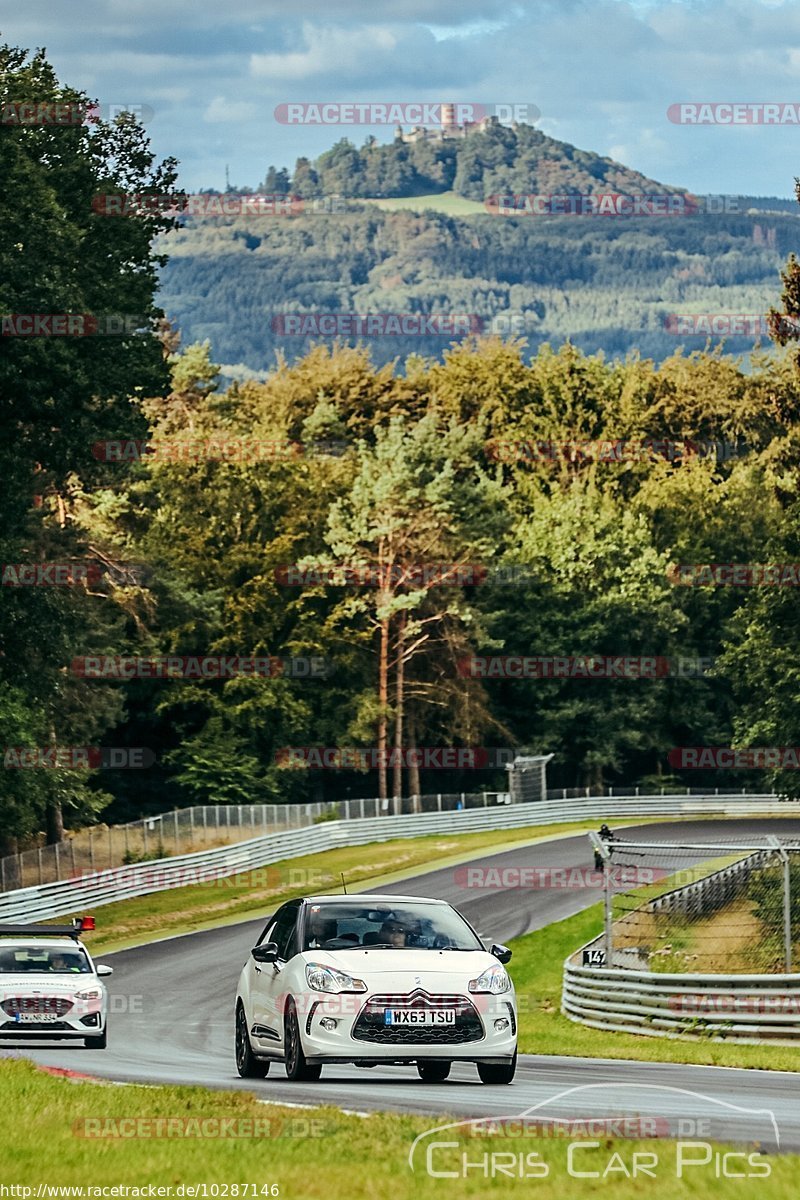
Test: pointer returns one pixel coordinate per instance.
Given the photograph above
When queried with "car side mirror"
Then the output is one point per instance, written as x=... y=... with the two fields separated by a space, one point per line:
x=266 y=953
x=501 y=953
x=104 y=969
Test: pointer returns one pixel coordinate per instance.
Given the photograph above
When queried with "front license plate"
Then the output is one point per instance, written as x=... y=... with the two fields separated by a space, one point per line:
x=419 y=1016
x=34 y=1018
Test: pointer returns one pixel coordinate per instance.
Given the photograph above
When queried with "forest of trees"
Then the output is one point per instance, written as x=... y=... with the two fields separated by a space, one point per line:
x=379 y=468
x=604 y=283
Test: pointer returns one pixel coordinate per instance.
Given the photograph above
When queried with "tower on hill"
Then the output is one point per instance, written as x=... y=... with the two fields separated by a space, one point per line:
x=449 y=130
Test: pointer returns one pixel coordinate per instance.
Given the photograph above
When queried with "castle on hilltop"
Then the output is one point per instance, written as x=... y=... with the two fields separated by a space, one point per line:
x=448 y=131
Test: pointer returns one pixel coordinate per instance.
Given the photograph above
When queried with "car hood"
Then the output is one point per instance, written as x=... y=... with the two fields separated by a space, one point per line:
x=429 y=965
x=52 y=985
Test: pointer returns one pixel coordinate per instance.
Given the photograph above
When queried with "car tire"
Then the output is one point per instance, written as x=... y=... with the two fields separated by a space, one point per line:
x=248 y=1066
x=433 y=1070
x=297 y=1069
x=97 y=1043
x=498 y=1073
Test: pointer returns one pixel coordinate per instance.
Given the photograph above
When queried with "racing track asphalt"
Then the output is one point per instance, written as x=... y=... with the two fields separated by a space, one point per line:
x=179 y=1025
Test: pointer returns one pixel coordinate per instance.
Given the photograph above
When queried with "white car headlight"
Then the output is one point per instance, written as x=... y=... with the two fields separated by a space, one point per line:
x=89 y=994
x=493 y=979
x=328 y=979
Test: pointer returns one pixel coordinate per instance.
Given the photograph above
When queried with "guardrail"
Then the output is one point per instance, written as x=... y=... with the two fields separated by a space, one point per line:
x=93 y=889
x=204 y=826
x=712 y=891
x=734 y=1008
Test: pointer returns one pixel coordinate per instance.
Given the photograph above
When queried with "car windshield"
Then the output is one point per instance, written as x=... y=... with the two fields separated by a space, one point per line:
x=21 y=960
x=343 y=925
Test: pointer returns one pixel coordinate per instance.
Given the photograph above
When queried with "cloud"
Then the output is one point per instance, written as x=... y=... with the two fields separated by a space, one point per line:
x=230 y=112
x=602 y=72
x=328 y=51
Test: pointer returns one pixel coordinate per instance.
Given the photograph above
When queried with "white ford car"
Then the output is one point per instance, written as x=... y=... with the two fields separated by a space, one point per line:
x=374 y=979
x=49 y=986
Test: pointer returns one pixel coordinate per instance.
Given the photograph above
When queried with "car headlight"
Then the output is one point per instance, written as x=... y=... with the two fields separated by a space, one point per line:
x=328 y=979
x=493 y=979
x=89 y=994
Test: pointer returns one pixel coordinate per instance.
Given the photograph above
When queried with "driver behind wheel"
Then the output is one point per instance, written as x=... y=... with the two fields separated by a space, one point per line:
x=393 y=933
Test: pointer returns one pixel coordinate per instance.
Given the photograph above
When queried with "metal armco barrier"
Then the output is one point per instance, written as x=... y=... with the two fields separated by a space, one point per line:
x=93 y=889
x=731 y=1008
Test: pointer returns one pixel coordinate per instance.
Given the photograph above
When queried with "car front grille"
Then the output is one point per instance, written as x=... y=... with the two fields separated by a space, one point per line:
x=370 y=1027
x=51 y=1005
x=19 y=1028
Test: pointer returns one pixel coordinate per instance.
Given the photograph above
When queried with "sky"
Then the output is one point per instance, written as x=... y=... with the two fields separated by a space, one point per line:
x=603 y=73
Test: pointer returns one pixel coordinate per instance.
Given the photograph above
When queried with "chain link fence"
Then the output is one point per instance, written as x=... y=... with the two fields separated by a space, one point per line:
x=731 y=907
x=184 y=830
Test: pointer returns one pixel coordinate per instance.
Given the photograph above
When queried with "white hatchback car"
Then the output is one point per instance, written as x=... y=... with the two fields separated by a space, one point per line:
x=375 y=979
x=49 y=986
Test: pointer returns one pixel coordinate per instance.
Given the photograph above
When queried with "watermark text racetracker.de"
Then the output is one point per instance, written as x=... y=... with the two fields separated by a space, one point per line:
x=27 y=325
x=614 y=450
x=49 y=574
x=68 y=113
x=495 y=879
x=401 y=574
x=735 y=112
x=717 y=324
x=425 y=758
x=729 y=758
x=458 y=115
x=78 y=758
x=582 y=666
x=216 y=449
x=183 y=1128
x=200 y=666
x=372 y=325
x=157 y=877
x=608 y=204
x=734 y=574
x=214 y=204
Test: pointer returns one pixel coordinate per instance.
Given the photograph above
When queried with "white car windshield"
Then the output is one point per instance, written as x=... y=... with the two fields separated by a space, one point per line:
x=20 y=960
x=342 y=925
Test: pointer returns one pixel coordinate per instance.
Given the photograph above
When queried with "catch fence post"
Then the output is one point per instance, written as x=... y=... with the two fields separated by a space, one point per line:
x=607 y=907
x=787 y=913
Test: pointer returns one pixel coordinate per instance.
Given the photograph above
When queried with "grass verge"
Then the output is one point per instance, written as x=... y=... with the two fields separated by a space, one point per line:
x=57 y=1133
x=444 y=202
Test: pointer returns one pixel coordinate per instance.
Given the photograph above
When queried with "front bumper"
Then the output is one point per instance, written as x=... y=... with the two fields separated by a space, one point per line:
x=60 y=1017
x=485 y=1029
